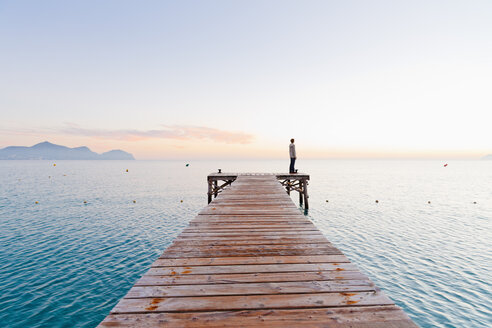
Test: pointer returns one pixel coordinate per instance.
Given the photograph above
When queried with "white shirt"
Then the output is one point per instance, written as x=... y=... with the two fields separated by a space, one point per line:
x=292 y=150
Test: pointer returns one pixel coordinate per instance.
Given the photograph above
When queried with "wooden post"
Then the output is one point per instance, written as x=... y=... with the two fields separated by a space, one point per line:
x=215 y=189
x=288 y=187
x=209 y=194
x=301 y=187
x=306 y=196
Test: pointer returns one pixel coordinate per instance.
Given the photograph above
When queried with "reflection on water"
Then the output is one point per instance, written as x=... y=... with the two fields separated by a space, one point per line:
x=68 y=259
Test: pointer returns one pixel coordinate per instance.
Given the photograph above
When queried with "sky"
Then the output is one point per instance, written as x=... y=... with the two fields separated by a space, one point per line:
x=239 y=79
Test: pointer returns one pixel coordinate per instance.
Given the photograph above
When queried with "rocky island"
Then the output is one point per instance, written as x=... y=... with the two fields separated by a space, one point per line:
x=48 y=151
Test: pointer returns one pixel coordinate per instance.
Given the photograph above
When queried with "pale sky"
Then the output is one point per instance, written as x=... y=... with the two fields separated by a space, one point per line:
x=238 y=79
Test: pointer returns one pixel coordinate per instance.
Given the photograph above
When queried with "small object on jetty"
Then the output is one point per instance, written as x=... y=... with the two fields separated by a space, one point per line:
x=220 y=170
x=445 y=165
x=377 y=201
x=36 y=202
x=428 y=202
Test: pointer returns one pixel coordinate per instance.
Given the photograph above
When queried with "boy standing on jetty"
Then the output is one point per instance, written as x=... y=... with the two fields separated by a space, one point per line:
x=292 y=153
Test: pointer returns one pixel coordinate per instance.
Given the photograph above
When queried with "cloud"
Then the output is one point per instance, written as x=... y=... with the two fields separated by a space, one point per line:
x=176 y=132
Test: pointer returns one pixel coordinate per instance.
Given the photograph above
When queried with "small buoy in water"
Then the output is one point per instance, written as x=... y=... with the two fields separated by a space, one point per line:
x=377 y=201
x=187 y=164
x=36 y=202
x=134 y=201
x=64 y=175
x=54 y=164
x=85 y=202
x=327 y=200
x=428 y=202
x=474 y=202
x=181 y=201
x=445 y=165
x=126 y=170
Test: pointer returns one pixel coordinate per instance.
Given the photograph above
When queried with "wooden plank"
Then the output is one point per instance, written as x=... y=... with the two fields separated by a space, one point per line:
x=247 y=302
x=266 y=252
x=251 y=233
x=225 y=242
x=250 y=229
x=248 y=220
x=269 y=238
x=251 y=260
x=285 y=216
x=257 y=223
x=388 y=316
x=215 y=269
x=201 y=279
x=255 y=226
x=251 y=248
x=295 y=287
x=238 y=236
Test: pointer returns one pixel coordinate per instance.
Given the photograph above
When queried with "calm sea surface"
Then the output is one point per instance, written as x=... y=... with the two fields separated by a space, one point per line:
x=64 y=263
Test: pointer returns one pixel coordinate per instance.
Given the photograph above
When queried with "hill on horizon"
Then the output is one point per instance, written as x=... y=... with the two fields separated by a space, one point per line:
x=487 y=157
x=49 y=151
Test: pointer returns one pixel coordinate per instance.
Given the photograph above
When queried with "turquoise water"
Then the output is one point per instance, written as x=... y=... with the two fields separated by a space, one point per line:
x=65 y=263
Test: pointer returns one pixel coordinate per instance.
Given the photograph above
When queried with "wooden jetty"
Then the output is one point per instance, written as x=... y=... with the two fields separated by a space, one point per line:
x=250 y=258
x=217 y=182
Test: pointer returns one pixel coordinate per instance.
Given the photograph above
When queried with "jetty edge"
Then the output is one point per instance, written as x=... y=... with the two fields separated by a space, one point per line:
x=252 y=259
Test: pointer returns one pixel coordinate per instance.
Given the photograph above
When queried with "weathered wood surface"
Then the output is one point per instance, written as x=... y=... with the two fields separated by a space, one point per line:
x=249 y=259
x=217 y=182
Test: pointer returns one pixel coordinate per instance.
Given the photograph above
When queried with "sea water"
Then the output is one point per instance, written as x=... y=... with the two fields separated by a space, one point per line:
x=66 y=260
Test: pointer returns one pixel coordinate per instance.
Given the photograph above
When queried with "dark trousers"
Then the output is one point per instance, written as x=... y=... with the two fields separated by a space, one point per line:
x=291 y=167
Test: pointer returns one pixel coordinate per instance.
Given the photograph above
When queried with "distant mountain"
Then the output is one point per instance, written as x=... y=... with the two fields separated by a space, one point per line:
x=47 y=150
x=116 y=154
x=488 y=157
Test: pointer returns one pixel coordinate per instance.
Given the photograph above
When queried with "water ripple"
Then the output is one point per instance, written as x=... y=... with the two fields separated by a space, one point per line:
x=65 y=263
